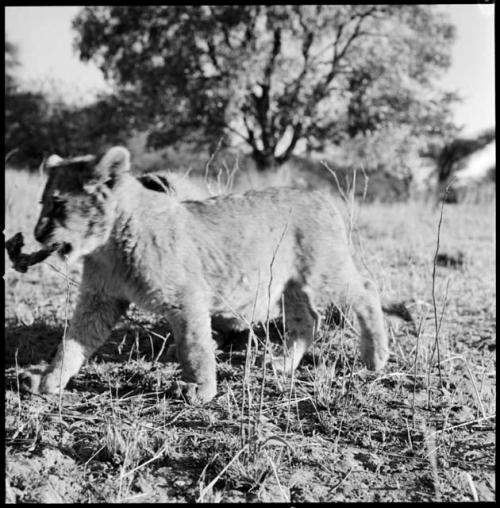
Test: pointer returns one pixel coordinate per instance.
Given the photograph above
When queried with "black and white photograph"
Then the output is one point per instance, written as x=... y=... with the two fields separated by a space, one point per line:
x=250 y=253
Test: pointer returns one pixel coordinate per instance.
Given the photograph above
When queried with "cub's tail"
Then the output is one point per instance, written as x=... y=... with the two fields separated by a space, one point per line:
x=398 y=309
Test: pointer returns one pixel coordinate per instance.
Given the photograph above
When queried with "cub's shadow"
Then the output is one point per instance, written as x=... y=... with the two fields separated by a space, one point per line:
x=232 y=345
x=36 y=343
x=27 y=345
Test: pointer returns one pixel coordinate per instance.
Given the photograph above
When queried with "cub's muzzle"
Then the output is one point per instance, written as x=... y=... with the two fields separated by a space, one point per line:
x=42 y=230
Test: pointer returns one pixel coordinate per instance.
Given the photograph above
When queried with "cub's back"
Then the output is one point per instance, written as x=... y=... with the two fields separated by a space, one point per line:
x=249 y=227
x=273 y=207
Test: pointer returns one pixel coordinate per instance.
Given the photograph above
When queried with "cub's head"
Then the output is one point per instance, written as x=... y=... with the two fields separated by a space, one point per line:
x=78 y=202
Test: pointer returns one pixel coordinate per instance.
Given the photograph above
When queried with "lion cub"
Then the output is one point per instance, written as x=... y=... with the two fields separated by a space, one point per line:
x=228 y=258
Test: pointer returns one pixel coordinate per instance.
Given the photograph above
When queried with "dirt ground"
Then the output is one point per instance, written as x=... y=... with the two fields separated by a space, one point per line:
x=418 y=431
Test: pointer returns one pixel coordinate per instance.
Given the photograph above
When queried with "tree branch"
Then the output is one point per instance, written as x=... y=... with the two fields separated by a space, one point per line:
x=274 y=53
x=251 y=136
x=249 y=38
x=321 y=90
x=238 y=133
x=297 y=133
x=226 y=37
x=261 y=103
x=338 y=55
x=292 y=90
x=212 y=55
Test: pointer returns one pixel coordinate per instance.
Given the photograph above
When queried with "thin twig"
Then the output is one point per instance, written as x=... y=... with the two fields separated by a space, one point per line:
x=335 y=487
x=66 y=305
x=261 y=402
x=415 y=382
x=434 y=306
x=464 y=424
x=216 y=479
x=471 y=376
x=211 y=159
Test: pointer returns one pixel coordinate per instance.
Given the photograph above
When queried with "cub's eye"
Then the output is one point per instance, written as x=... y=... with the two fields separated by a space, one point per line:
x=57 y=204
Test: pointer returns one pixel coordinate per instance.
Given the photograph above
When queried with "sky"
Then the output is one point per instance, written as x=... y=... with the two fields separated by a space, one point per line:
x=44 y=39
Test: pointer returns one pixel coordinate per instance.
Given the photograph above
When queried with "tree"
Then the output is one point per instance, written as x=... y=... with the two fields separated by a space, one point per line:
x=273 y=76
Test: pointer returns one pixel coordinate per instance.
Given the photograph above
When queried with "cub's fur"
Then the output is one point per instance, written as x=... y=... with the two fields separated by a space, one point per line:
x=230 y=258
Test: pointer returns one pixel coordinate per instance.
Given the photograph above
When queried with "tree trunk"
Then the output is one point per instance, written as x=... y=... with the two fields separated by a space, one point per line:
x=264 y=160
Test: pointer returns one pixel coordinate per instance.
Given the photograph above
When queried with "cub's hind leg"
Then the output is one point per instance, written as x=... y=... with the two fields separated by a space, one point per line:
x=301 y=320
x=351 y=289
x=368 y=309
x=94 y=317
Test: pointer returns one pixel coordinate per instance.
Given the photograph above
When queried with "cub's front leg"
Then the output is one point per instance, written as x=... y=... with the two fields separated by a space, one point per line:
x=194 y=348
x=94 y=317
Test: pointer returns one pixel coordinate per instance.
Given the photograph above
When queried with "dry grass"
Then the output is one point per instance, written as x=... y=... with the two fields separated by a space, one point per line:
x=332 y=432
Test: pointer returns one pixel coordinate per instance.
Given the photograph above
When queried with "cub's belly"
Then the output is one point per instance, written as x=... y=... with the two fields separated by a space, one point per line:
x=237 y=308
x=227 y=323
x=231 y=321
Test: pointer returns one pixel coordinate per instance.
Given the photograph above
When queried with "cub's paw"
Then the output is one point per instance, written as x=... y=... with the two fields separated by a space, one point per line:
x=30 y=379
x=39 y=380
x=374 y=359
x=285 y=364
x=171 y=354
x=194 y=393
x=282 y=364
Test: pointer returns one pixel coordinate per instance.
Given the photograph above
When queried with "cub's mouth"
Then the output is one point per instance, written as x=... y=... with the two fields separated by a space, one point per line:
x=64 y=249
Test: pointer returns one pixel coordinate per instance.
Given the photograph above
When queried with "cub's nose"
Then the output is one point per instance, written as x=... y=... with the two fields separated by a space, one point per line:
x=42 y=229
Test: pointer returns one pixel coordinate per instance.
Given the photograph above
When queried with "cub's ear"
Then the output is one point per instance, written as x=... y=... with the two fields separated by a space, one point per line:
x=113 y=164
x=53 y=160
x=50 y=162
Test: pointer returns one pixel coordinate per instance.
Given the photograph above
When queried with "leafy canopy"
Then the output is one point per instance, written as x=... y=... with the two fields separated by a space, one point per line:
x=275 y=75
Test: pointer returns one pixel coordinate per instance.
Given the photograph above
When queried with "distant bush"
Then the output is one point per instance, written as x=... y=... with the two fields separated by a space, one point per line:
x=36 y=126
x=40 y=122
x=453 y=155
